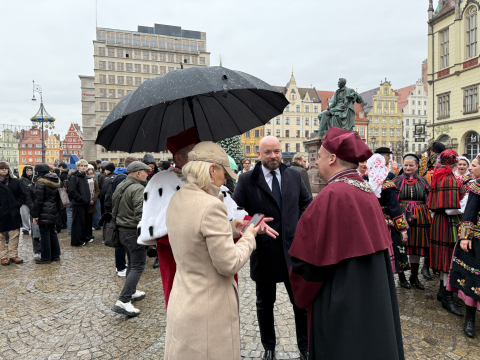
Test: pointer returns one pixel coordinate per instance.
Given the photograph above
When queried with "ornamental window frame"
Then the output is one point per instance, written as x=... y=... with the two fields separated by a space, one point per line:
x=443 y=105
x=471 y=21
x=444 y=38
x=470 y=99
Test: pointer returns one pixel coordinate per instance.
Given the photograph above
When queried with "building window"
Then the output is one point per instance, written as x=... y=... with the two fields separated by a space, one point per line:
x=307 y=108
x=111 y=65
x=128 y=39
x=129 y=67
x=171 y=58
x=138 y=68
x=392 y=121
x=154 y=69
x=120 y=66
x=298 y=121
x=375 y=132
x=443 y=106
x=398 y=121
x=128 y=54
x=306 y=121
x=111 y=79
x=137 y=54
x=146 y=68
x=379 y=111
x=297 y=133
x=315 y=109
x=408 y=122
x=101 y=51
x=398 y=132
x=103 y=92
x=407 y=133
x=247 y=149
x=111 y=106
x=110 y=38
x=376 y=120
x=111 y=52
x=444 y=49
x=103 y=107
x=257 y=133
x=121 y=93
x=287 y=147
x=269 y=132
x=120 y=80
x=138 y=81
x=102 y=65
x=287 y=121
x=178 y=58
x=384 y=132
x=111 y=93
x=297 y=147
x=424 y=112
x=369 y=132
x=129 y=80
x=163 y=70
x=362 y=130
x=392 y=132
x=136 y=40
x=315 y=122
x=102 y=119
x=298 y=108
x=277 y=120
x=146 y=55
x=100 y=37
x=471 y=40
x=384 y=121
x=470 y=100
x=287 y=133
x=202 y=61
x=472 y=142
x=307 y=134
x=385 y=91
x=278 y=133
x=170 y=69
x=287 y=109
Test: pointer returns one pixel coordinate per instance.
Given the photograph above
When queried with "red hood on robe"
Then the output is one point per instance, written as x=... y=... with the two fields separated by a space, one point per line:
x=342 y=222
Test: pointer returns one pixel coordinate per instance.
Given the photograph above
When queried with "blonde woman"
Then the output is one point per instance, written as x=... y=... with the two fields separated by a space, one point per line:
x=203 y=310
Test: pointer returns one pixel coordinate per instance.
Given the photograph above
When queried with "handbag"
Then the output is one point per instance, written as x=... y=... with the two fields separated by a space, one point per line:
x=35 y=231
x=62 y=198
x=110 y=229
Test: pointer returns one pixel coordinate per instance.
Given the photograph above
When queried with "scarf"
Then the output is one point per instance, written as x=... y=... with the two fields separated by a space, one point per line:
x=377 y=173
x=91 y=185
x=4 y=180
x=447 y=160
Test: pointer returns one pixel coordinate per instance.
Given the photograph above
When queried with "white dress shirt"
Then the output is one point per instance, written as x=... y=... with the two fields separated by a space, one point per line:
x=269 y=177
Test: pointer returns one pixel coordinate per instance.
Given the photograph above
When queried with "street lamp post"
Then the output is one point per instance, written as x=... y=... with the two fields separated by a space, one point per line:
x=373 y=142
x=42 y=116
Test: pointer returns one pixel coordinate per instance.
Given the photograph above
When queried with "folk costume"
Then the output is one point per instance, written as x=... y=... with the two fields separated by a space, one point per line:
x=386 y=192
x=444 y=202
x=465 y=272
x=465 y=178
x=413 y=196
x=328 y=267
x=428 y=163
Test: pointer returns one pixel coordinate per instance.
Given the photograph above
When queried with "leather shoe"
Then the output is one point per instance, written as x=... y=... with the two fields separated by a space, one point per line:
x=269 y=355
x=304 y=356
x=16 y=260
x=5 y=262
x=156 y=265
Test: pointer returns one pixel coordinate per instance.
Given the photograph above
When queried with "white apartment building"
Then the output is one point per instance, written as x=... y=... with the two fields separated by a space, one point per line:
x=123 y=60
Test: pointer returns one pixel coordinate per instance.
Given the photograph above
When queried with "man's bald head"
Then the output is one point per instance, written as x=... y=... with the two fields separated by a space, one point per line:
x=270 y=152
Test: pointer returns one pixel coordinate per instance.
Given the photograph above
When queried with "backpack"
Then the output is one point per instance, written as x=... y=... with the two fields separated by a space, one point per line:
x=110 y=229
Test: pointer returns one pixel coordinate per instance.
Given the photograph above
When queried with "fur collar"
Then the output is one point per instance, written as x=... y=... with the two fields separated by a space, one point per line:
x=50 y=182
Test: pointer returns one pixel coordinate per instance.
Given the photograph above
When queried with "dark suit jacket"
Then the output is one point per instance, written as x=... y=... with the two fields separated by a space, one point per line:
x=270 y=261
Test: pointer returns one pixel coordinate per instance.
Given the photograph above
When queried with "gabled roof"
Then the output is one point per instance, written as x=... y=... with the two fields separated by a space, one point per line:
x=367 y=97
x=312 y=92
x=446 y=8
x=403 y=94
x=325 y=96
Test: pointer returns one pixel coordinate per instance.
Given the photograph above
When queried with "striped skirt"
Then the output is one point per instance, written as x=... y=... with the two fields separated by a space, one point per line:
x=443 y=236
x=419 y=232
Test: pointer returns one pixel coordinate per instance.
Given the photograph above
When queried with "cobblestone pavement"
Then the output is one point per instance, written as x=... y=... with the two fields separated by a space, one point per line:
x=62 y=311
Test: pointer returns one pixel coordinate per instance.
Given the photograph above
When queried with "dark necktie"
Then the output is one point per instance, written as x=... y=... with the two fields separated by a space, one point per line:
x=276 y=189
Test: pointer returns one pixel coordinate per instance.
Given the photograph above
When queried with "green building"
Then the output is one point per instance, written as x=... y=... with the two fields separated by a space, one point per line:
x=9 y=148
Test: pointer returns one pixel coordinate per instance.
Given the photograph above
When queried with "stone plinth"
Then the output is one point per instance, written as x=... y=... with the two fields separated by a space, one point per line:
x=314 y=143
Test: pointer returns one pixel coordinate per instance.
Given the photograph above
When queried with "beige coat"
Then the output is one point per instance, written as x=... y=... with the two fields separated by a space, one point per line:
x=203 y=310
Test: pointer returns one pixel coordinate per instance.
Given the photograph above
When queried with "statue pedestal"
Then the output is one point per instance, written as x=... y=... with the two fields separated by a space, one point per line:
x=314 y=143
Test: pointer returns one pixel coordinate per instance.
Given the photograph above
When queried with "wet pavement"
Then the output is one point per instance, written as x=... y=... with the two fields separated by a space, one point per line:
x=63 y=311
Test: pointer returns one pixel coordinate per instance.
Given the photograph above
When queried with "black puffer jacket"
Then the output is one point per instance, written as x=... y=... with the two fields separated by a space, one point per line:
x=45 y=204
x=26 y=180
x=78 y=190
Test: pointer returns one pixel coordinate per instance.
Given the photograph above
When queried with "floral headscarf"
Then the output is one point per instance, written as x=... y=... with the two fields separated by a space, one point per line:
x=377 y=173
x=446 y=161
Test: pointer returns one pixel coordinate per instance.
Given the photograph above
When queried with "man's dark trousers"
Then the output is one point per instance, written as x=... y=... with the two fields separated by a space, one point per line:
x=79 y=230
x=137 y=258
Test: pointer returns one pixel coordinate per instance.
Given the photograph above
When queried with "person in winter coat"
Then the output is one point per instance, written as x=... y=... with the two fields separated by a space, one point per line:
x=63 y=178
x=12 y=198
x=45 y=212
x=92 y=207
x=298 y=163
x=30 y=202
x=149 y=160
x=25 y=180
x=79 y=194
x=107 y=186
x=96 y=176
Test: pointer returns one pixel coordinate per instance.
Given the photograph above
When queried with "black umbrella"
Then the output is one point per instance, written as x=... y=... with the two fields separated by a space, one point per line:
x=218 y=102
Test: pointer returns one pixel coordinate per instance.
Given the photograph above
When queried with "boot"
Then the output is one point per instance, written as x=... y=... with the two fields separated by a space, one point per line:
x=426 y=269
x=155 y=264
x=441 y=291
x=449 y=304
x=469 y=327
x=403 y=280
x=414 y=277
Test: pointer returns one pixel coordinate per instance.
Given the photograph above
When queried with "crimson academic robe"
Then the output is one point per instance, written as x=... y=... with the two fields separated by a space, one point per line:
x=341 y=273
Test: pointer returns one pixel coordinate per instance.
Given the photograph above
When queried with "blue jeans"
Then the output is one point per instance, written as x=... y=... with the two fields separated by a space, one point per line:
x=69 y=218
x=96 y=216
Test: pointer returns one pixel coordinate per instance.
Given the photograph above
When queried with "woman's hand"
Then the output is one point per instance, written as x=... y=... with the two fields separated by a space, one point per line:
x=35 y=221
x=91 y=202
x=404 y=237
x=465 y=245
x=252 y=230
x=239 y=225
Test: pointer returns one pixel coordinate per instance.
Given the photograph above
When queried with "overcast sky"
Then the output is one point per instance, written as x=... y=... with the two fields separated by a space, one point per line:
x=50 y=41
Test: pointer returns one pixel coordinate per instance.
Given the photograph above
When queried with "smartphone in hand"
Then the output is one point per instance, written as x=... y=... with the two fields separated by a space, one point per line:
x=255 y=220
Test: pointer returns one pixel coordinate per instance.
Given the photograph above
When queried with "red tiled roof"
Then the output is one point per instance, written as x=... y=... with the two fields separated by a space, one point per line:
x=448 y=6
x=402 y=95
x=324 y=97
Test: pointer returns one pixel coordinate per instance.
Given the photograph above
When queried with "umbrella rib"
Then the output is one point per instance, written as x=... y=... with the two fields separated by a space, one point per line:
x=205 y=115
x=138 y=130
x=231 y=117
x=231 y=93
x=167 y=104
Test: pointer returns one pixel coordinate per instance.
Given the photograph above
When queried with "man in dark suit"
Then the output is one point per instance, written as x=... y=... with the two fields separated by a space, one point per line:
x=278 y=192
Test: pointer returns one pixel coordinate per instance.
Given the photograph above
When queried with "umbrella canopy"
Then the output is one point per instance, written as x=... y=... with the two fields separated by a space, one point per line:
x=218 y=102
x=233 y=164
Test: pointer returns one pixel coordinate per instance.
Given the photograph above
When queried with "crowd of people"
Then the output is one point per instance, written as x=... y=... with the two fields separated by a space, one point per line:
x=372 y=220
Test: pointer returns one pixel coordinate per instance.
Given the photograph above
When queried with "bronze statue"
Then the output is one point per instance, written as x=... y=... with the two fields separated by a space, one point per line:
x=340 y=112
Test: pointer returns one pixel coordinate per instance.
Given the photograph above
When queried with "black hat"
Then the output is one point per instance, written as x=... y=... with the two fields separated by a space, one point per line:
x=42 y=170
x=98 y=161
x=383 y=150
x=414 y=155
x=438 y=147
x=110 y=167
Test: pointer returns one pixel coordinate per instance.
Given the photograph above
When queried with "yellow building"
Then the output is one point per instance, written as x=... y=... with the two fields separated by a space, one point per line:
x=454 y=75
x=251 y=140
x=52 y=149
x=385 y=120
